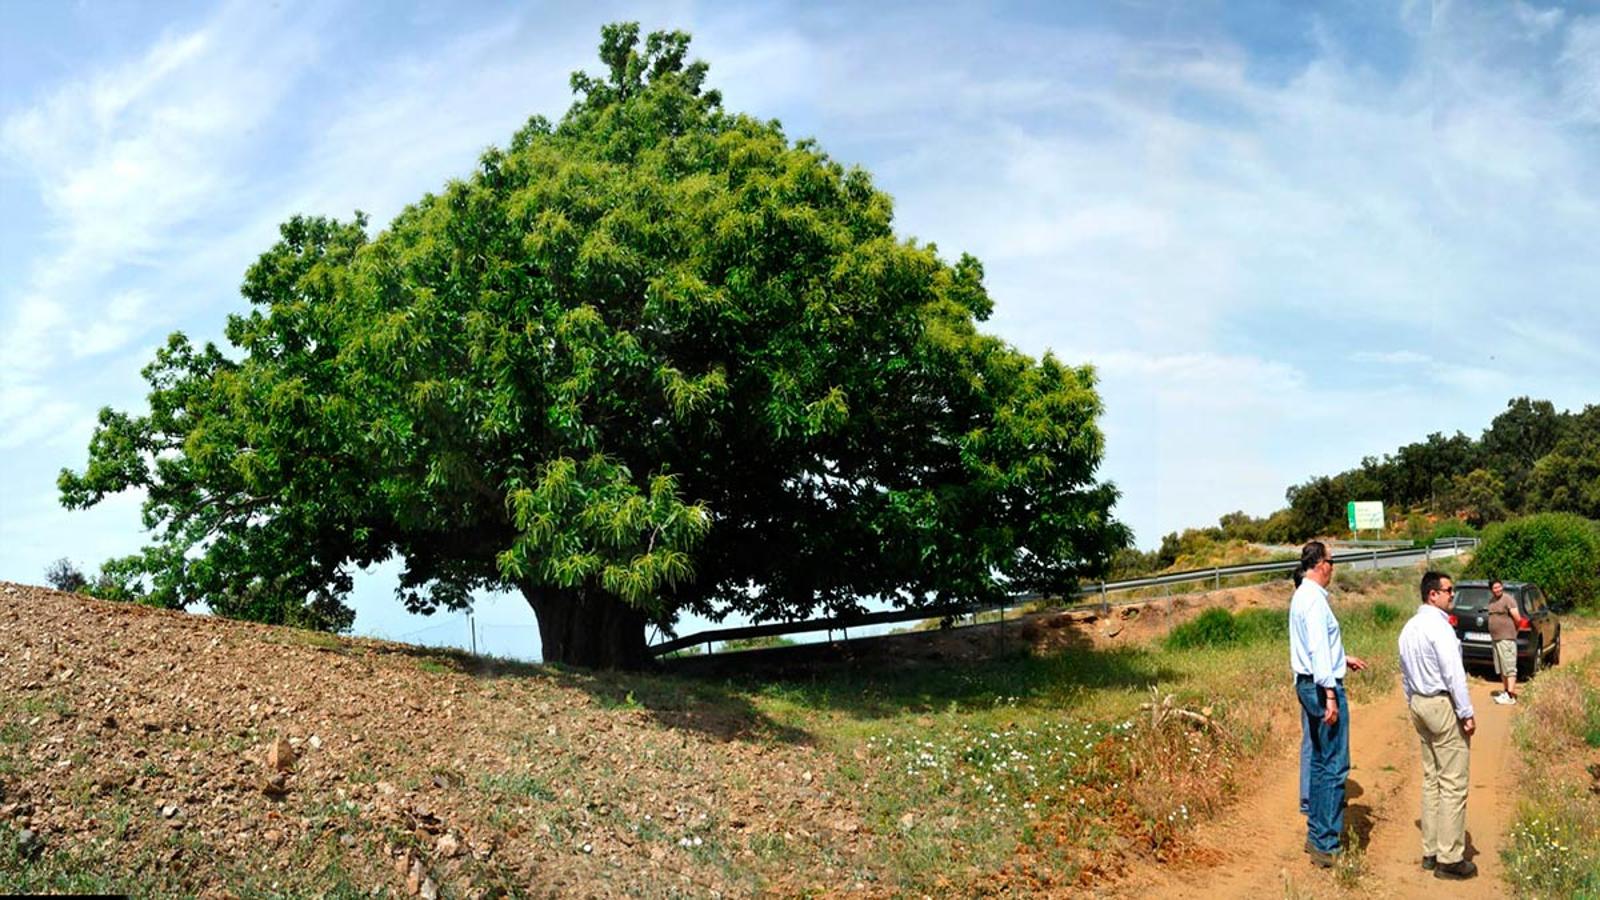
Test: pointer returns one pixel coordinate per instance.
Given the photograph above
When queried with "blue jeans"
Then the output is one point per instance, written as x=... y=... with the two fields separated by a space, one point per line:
x=1305 y=762
x=1330 y=766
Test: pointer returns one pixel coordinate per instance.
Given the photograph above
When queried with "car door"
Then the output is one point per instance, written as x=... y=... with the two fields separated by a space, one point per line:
x=1540 y=616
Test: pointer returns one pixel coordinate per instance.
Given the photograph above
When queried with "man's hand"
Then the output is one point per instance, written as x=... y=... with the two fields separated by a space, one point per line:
x=1355 y=663
x=1469 y=725
x=1330 y=714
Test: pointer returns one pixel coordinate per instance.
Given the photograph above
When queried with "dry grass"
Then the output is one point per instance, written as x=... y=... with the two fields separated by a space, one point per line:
x=1554 y=849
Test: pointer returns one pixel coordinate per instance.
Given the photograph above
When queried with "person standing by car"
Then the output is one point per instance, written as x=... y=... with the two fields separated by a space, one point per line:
x=1441 y=712
x=1503 y=615
x=1316 y=653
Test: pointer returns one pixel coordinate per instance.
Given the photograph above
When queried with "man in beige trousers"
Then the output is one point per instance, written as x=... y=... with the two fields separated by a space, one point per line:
x=1441 y=711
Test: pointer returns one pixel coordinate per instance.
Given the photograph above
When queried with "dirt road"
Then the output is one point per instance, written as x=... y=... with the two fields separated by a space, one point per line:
x=1260 y=840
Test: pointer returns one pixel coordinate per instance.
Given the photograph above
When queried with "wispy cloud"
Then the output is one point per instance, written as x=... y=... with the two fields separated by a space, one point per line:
x=131 y=162
x=1392 y=357
x=1284 y=250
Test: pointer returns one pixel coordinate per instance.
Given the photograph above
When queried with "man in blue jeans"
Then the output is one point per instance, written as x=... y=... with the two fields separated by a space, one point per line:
x=1316 y=654
x=1300 y=575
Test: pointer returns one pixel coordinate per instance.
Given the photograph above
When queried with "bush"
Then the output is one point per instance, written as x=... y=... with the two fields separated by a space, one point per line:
x=1560 y=552
x=1214 y=627
x=757 y=643
x=1256 y=625
x=64 y=576
x=1384 y=615
x=1217 y=627
x=1444 y=530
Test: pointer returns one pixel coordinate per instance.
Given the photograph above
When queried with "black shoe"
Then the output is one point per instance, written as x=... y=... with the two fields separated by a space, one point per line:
x=1465 y=868
x=1428 y=862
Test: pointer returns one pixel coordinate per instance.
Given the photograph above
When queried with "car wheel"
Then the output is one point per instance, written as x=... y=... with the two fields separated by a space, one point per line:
x=1555 y=652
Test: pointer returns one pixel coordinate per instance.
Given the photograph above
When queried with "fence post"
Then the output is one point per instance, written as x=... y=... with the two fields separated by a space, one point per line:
x=1216 y=572
x=472 y=630
x=1105 y=602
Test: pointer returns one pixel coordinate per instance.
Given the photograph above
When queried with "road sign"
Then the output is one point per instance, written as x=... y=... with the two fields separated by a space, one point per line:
x=1364 y=515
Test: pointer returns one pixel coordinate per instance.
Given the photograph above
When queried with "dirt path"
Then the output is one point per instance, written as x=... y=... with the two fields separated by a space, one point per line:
x=1260 y=839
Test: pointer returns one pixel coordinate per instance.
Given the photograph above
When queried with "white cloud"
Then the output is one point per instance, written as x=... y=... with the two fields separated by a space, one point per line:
x=131 y=163
x=120 y=322
x=1392 y=357
x=1223 y=245
x=1579 y=66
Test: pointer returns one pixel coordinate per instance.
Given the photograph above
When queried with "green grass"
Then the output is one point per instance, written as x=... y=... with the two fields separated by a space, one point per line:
x=1554 y=849
x=964 y=762
x=516 y=785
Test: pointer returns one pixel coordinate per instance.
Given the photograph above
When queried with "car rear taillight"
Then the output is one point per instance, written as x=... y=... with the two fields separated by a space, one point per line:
x=1452 y=620
x=1523 y=624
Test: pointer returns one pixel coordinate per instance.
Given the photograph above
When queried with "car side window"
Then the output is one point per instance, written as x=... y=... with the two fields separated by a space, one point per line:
x=1538 y=599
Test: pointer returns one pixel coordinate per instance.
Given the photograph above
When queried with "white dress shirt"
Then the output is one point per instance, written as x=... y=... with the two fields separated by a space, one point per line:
x=1430 y=659
x=1316 y=647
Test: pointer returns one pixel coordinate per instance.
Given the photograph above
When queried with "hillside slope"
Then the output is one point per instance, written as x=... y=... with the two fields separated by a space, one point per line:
x=136 y=755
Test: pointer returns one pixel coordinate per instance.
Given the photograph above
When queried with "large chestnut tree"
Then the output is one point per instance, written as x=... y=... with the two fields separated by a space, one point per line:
x=656 y=358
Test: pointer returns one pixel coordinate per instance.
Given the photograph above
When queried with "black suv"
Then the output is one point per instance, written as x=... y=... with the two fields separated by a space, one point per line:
x=1538 y=629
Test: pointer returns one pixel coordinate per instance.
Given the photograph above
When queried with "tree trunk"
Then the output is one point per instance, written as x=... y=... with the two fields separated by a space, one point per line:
x=589 y=628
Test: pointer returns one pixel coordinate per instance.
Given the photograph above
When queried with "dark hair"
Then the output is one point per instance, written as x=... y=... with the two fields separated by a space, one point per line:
x=1299 y=576
x=1495 y=581
x=1312 y=555
x=1430 y=583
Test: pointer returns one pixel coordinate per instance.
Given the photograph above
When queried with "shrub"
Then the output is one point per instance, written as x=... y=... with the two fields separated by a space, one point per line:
x=1560 y=552
x=64 y=576
x=1214 y=627
x=1384 y=615
x=1255 y=625
x=1448 y=528
x=757 y=643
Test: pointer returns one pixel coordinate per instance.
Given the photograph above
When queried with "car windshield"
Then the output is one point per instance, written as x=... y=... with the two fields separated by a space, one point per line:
x=1472 y=599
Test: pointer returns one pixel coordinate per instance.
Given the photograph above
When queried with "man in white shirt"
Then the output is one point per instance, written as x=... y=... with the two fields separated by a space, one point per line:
x=1441 y=711
x=1316 y=654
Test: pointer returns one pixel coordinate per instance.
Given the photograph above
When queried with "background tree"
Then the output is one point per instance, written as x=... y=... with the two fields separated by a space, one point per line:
x=1516 y=440
x=64 y=576
x=656 y=358
x=1476 y=496
x=1567 y=479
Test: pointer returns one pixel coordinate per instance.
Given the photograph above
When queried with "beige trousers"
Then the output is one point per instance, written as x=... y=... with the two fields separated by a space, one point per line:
x=1444 y=778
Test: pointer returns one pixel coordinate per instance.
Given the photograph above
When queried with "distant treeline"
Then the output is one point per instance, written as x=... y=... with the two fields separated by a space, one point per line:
x=1530 y=459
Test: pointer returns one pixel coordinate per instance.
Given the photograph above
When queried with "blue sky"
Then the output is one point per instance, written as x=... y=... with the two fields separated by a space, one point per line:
x=1288 y=235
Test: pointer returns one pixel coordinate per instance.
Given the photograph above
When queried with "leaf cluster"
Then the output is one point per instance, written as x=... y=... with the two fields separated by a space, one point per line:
x=657 y=352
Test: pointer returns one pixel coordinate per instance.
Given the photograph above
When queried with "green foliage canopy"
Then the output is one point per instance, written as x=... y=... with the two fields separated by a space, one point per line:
x=656 y=358
x=1560 y=552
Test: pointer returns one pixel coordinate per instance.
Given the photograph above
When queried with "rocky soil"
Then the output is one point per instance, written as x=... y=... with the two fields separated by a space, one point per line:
x=167 y=753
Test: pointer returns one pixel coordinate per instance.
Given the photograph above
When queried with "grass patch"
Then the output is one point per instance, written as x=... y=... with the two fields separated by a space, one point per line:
x=304 y=637
x=434 y=667
x=1028 y=769
x=1352 y=863
x=515 y=785
x=1554 y=849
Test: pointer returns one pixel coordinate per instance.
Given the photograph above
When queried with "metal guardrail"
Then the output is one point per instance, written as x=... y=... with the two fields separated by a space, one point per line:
x=1214 y=574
